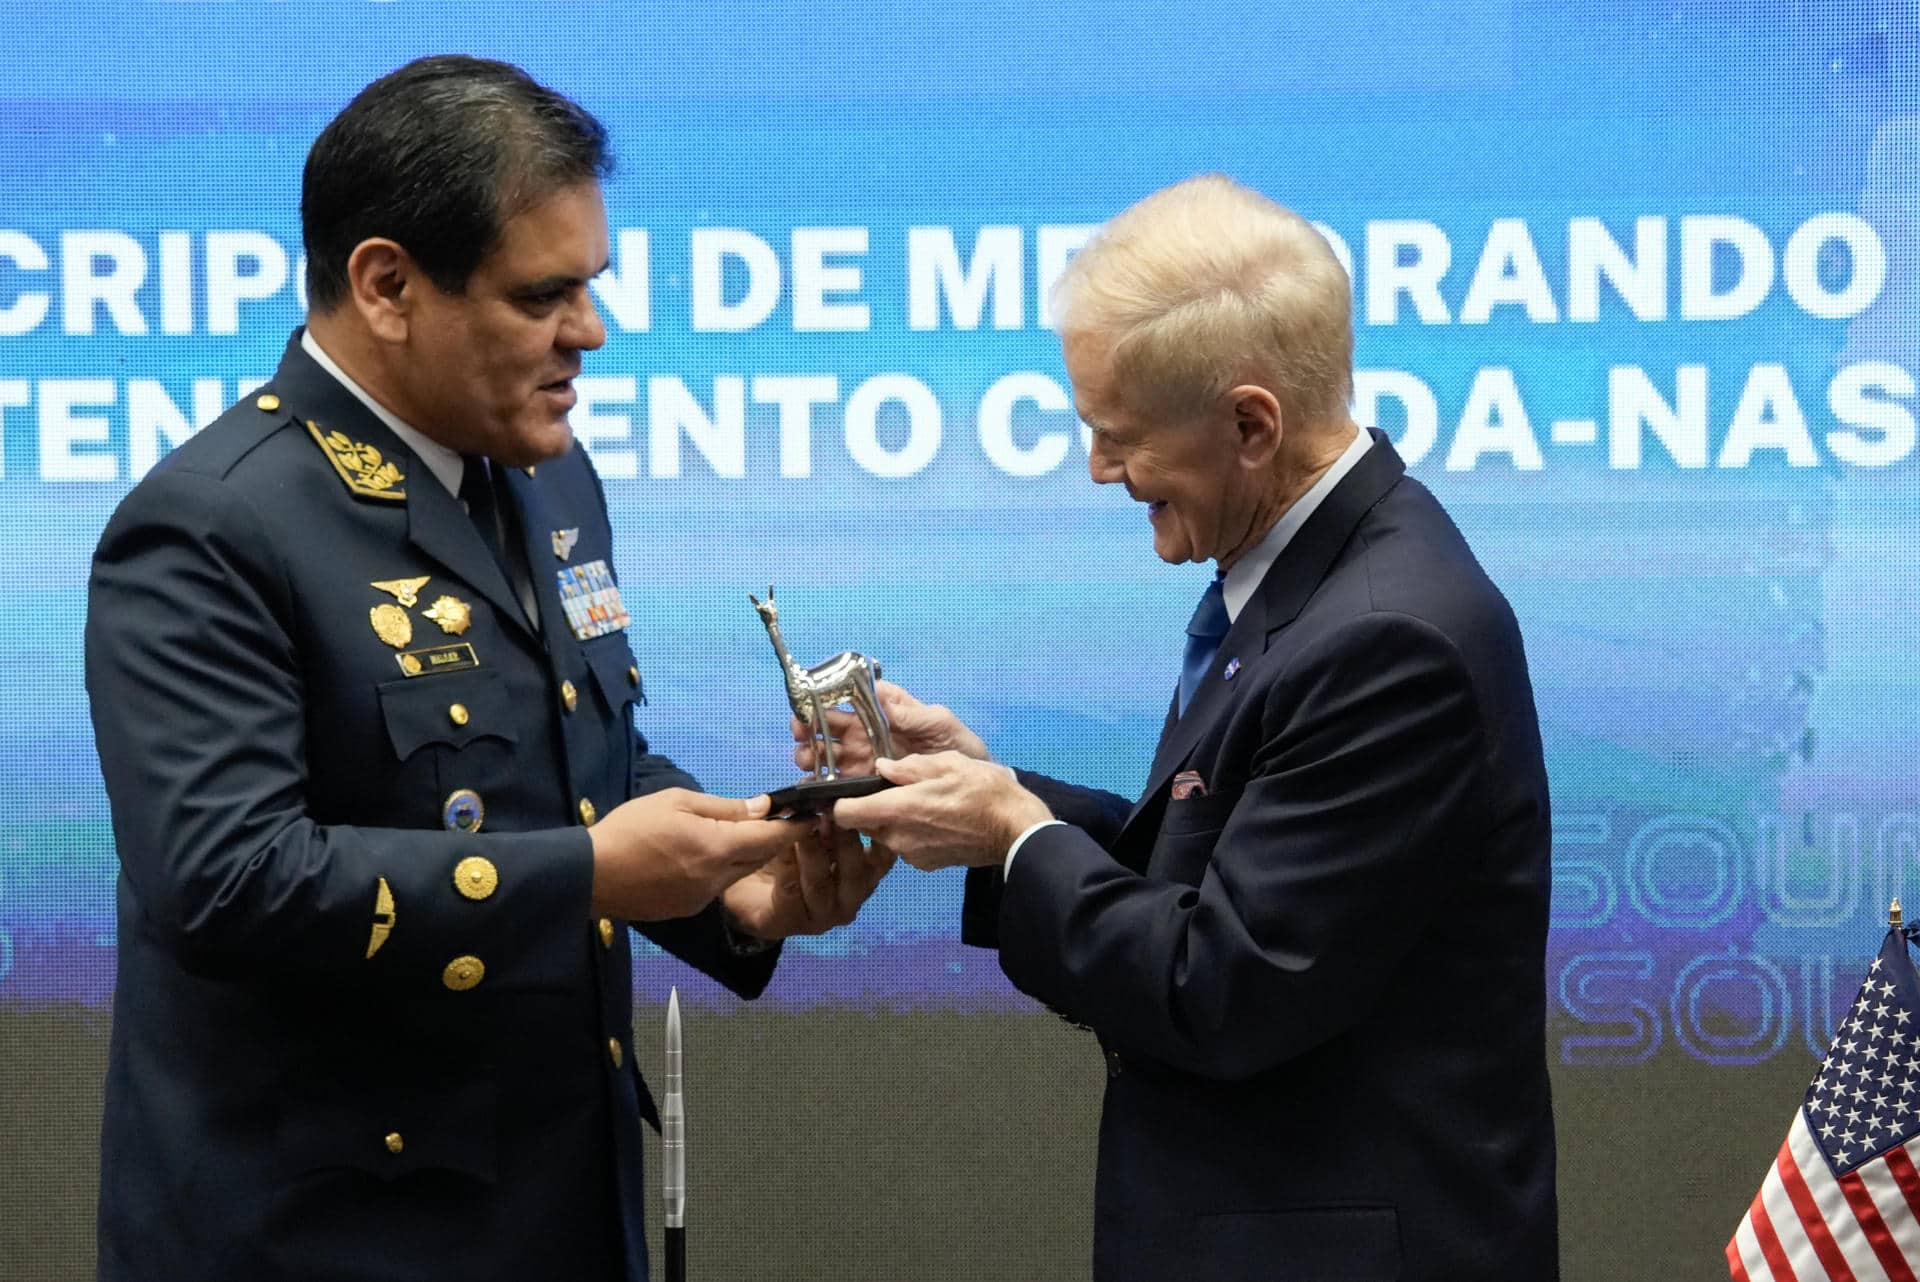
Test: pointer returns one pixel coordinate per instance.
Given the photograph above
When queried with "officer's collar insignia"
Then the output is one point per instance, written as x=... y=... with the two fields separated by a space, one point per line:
x=563 y=541
x=405 y=591
x=451 y=613
x=359 y=465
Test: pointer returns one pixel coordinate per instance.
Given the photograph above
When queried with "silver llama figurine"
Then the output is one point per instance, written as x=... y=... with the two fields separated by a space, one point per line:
x=846 y=678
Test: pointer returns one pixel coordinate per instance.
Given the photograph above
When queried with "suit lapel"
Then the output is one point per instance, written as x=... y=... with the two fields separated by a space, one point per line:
x=441 y=528
x=531 y=518
x=1304 y=565
x=1215 y=694
x=1290 y=581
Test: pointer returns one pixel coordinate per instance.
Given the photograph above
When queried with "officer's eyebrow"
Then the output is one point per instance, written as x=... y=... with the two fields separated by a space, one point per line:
x=558 y=282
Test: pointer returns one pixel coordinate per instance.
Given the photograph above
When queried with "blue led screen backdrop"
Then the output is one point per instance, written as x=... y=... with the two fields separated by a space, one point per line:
x=1635 y=293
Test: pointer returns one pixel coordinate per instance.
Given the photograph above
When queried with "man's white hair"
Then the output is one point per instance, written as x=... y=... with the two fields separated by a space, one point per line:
x=1207 y=285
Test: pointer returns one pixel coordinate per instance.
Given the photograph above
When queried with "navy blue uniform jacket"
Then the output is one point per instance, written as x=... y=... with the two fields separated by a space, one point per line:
x=349 y=1042
x=1320 y=985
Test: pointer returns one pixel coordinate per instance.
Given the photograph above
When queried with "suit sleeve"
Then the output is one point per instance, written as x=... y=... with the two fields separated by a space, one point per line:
x=1365 y=797
x=194 y=680
x=1099 y=814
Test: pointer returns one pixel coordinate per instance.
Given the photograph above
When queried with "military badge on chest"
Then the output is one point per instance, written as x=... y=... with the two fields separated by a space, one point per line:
x=452 y=614
x=592 y=600
x=394 y=626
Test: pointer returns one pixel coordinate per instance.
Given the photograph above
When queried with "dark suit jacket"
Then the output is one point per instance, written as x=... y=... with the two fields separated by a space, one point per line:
x=349 y=1042
x=1320 y=985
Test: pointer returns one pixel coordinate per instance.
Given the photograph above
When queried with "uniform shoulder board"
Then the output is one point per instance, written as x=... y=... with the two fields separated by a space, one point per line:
x=366 y=473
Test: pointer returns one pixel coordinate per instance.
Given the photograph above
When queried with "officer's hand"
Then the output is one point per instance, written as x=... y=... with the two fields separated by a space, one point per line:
x=818 y=883
x=914 y=727
x=668 y=854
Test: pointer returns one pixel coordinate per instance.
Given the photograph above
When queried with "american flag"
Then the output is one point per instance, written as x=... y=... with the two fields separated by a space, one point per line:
x=1843 y=1198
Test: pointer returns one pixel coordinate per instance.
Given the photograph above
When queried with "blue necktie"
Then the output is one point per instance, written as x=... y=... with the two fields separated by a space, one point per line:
x=1204 y=630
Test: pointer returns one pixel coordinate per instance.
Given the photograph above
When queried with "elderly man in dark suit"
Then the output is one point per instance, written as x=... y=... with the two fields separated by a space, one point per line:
x=1313 y=949
x=364 y=698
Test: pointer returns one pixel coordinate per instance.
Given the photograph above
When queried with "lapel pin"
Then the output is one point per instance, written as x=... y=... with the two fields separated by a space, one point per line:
x=563 y=541
x=1233 y=666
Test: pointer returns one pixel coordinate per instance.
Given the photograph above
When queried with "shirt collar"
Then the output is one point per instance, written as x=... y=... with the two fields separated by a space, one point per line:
x=1243 y=580
x=446 y=465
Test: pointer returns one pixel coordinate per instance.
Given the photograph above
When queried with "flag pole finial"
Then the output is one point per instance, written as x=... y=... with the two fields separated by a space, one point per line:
x=1893 y=914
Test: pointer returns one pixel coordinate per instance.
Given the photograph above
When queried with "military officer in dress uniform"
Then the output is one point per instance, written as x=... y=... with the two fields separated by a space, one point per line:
x=364 y=698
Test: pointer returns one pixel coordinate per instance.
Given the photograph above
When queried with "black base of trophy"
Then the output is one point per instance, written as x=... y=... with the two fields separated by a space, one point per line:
x=811 y=797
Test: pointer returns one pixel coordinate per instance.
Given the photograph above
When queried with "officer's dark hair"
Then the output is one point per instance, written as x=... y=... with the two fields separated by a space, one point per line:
x=438 y=157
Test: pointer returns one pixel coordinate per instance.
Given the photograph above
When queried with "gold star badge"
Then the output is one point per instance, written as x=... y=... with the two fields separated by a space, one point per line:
x=405 y=591
x=451 y=613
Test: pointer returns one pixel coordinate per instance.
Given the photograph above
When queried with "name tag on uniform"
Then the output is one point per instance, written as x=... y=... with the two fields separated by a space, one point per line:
x=439 y=658
x=591 y=600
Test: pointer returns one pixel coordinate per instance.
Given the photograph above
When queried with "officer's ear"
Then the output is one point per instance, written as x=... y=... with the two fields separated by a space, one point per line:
x=383 y=283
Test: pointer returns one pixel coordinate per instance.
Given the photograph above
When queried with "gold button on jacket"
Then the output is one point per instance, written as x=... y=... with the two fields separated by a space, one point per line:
x=457 y=713
x=394 y=1142
x=587 y=813
x=606 y=933
x=463 y=973
x=475 y=877
x=569 y=696
x=613 y=1051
